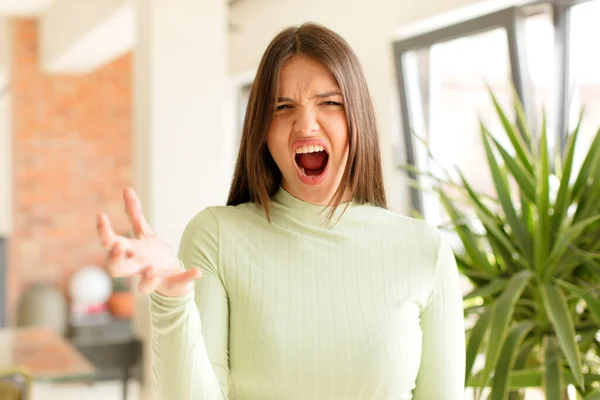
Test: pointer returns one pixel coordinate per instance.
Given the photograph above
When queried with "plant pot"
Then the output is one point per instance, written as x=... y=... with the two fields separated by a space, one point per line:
x=120 y=304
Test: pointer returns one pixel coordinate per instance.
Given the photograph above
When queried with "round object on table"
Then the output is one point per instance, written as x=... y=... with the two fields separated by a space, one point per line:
x=89 y=286
x=120 y=304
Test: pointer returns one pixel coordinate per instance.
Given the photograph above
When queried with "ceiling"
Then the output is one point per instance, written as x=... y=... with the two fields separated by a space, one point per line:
x=24 y=8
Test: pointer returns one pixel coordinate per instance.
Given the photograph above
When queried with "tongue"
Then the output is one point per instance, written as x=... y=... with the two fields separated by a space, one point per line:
x=312 y=161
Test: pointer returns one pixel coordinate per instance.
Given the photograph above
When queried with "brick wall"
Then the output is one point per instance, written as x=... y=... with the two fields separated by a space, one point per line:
x=72 y=155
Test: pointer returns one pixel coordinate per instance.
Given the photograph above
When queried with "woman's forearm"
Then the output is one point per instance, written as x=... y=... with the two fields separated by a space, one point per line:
x=181 y=366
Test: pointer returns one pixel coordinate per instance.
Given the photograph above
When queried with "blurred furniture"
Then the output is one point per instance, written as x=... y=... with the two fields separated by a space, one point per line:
x=142 y=330
x=109 y=343
x=44 y=353
x=42 y=304
x=15 y=384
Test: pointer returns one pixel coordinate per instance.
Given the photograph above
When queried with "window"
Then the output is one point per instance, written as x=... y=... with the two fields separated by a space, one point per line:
x=584 y=80
x=240 y=103
x=541 y=50
x=244 y=96
x=447 y=90
x=237 y=101
x=443 y=79
x=540 y=62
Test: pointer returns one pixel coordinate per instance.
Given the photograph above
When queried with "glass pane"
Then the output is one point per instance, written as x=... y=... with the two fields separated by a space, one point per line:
x=243 y=97
x=243 y=103
x=456 y=100
x=539 y=55
x=585 y=76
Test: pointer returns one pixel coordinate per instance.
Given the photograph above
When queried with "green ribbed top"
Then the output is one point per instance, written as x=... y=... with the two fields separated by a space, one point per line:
x=368 y=307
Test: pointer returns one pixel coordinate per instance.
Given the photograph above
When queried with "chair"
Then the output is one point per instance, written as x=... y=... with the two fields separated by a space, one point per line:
x=15 y=384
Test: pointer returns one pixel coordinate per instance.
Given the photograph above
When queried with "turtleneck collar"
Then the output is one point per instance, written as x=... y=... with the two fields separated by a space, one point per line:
x=286 y=204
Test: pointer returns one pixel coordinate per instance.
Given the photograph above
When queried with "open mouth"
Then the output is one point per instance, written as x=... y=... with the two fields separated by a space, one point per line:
x=311 y=160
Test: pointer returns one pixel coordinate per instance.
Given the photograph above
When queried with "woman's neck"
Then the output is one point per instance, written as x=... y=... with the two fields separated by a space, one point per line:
x=287 y=205
x=318 y=198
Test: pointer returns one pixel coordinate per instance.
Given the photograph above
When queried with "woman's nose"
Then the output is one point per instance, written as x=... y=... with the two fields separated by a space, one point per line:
x=306 y=122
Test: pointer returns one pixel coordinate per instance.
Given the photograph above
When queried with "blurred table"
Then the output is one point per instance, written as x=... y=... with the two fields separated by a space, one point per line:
x=109 y=343
x=44 y=353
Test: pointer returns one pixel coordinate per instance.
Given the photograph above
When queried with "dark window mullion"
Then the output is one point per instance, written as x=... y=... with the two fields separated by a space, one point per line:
x=415 y=195
x=515 y=33
x=561 y=15
x=471 y=27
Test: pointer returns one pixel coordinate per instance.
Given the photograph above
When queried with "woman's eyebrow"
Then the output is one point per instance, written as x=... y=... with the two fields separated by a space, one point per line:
x=328 y=94
x=317 y=96
x=284 y=99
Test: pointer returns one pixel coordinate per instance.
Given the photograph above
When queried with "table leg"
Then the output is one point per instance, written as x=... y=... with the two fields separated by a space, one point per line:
x=125 y=381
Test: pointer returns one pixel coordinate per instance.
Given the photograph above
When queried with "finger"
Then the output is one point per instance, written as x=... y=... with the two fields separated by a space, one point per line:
x=124 y=268
x=149 y=281
x=119 y=265
x=107 y=236
x=116 y=256
x=140 y=251
x=133 y=208
x=183 y=278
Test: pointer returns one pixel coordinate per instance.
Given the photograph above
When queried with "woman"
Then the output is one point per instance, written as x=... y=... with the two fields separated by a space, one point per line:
x=310 y=288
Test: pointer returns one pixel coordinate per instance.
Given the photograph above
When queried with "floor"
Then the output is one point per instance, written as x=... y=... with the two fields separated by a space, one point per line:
x=107 y=390
x=112 y=390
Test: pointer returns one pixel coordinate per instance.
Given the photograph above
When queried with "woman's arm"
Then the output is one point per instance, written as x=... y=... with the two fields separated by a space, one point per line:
x=442 y=372
x=189 y=339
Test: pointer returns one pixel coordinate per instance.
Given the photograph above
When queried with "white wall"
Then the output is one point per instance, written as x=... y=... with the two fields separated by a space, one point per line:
x=78 y=37
x=180 y=85
x=369 y=26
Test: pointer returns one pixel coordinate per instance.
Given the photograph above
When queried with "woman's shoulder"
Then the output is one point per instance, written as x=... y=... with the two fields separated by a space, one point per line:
x=213 y=216
x=422 y=239
x=390 y=220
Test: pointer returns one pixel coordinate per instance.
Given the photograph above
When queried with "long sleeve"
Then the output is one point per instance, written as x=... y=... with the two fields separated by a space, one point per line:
x=442 y=371
x=189 y=339
x=294 y=308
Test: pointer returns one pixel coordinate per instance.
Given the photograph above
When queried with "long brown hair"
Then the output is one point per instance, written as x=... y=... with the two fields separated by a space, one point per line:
x=257 y=177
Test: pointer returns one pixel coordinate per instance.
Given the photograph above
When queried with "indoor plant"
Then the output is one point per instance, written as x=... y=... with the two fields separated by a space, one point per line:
x=532 y=255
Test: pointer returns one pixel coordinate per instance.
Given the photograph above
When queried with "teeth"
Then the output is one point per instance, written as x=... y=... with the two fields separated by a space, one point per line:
x=309 y=149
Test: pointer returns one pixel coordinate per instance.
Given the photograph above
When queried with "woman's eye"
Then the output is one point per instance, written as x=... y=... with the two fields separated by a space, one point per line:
x=332 y=103
x=282 y=107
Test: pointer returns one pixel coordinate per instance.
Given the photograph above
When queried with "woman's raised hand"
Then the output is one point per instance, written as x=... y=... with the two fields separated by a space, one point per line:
x=146 y=255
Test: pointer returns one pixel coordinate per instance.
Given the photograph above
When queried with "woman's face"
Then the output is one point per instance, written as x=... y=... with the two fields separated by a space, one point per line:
x=308 y=138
